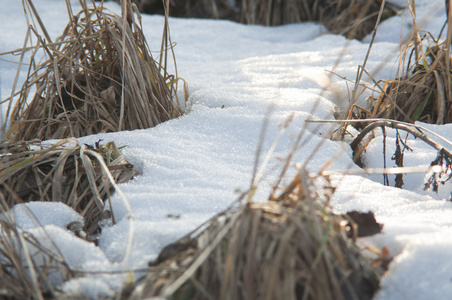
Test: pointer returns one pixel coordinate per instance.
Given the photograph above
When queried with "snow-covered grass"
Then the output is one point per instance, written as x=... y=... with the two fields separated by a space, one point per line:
x=192 y=166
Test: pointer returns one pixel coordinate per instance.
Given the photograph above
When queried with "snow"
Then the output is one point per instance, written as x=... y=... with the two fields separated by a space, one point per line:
x=192 y=166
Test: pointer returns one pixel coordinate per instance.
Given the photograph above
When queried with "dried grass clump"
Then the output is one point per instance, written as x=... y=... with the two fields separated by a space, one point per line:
x=423 y=92
x=65 y=172
x=98 y=76
x=354 y=19
x=422 y=89
x=291 y=247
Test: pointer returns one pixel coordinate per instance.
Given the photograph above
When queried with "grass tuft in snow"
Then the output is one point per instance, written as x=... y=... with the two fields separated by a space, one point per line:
x=98 y=76
x=291 y=247
x=422 y=90
x=63 y=172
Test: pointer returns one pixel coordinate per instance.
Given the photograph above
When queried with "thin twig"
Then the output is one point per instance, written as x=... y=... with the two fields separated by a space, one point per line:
x=398 y=125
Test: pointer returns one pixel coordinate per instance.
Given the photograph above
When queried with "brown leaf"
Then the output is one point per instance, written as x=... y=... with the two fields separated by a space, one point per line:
x=365 y=222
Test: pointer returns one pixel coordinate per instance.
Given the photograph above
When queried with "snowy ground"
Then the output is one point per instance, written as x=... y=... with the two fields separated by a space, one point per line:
x=192 y=165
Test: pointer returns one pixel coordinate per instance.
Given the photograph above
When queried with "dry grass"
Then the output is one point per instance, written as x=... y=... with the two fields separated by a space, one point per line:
x=291 y=247
x=22 y=277
x=95 y=80
x=423 y=92
x=216 y=9
x=354 y=19
x=65 y=172
x=30 y=264
x=422 y=88
x=98 y=76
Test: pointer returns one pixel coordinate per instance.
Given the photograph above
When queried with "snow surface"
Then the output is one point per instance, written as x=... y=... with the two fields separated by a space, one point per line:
x=193 y=165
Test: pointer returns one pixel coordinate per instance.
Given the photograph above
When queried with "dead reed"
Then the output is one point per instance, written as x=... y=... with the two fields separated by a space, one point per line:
x=98 y=76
